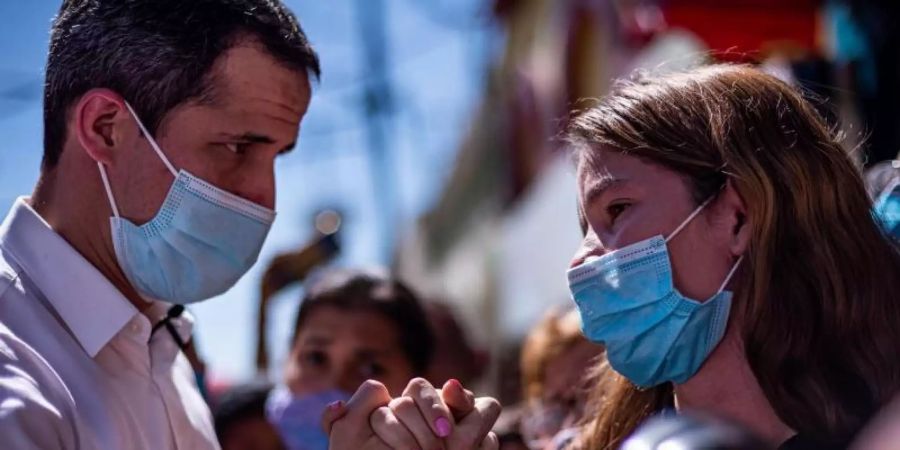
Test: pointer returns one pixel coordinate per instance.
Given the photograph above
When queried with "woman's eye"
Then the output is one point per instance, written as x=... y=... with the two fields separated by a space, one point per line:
x=236 y=148
x=615 y=210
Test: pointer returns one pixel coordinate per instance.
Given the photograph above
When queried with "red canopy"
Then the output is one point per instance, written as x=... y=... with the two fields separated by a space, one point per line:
x=746 y=26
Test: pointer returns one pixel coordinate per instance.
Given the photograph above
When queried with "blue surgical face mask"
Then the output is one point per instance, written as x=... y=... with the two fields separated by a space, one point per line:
x=299 y=418
x=887 y=208
x=198 y=245
x=628 y=302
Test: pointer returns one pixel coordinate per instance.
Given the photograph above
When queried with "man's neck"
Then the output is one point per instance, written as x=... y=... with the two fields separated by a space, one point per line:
x=65 y=211
x=726 y=387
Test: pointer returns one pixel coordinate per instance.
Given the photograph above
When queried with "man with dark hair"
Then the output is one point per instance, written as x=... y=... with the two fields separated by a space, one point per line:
x=163 y=120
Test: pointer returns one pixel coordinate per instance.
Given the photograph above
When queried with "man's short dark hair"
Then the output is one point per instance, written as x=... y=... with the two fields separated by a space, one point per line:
x=157 y=54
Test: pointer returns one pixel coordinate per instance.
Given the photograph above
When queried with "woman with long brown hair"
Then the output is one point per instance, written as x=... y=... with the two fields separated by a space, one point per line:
x=731 y=264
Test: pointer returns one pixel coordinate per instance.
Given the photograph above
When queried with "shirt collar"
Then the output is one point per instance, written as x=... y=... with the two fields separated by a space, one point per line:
x=92 y=308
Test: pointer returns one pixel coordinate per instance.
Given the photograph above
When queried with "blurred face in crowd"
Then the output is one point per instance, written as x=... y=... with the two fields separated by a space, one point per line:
x=563 y=393
x=341 y=348
x=623 y=200
x=564 y=377
x=252 y=434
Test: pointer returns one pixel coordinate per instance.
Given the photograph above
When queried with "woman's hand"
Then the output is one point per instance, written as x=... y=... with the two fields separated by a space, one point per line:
x=423 y=417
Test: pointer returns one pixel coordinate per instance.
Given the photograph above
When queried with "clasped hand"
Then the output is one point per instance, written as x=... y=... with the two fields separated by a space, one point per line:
x=424 y=417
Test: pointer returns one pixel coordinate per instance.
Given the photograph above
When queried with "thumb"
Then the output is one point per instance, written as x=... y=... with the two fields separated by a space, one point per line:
x=333 y=412
x=460 y=401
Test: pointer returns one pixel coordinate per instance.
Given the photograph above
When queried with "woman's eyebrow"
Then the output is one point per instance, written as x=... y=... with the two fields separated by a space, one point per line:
x=606 y=183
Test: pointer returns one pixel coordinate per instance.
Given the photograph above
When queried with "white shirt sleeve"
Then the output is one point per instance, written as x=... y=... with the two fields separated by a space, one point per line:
x=34 y=406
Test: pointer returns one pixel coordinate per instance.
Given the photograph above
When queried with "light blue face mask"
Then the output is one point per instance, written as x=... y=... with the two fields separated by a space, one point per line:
x=299 y=418
x=628 y=302
x=887 y=208
x=198 y=245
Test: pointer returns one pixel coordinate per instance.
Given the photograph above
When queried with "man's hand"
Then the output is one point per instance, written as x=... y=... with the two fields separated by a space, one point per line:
x=423 y=417
x=348 y=425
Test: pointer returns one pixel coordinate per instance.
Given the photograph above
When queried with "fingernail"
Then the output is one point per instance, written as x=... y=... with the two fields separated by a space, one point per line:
x=335 y=405
x=455 y=382
x=443 y=427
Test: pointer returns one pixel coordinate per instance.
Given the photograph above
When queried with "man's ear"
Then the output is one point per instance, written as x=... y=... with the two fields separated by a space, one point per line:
x=735 y=210
x=100 y=120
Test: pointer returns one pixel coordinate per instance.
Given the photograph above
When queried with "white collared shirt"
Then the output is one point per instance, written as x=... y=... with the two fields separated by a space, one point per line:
x=79 y=368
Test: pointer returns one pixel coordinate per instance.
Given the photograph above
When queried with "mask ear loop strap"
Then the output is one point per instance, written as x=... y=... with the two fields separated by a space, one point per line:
x=689 y=218
x=109 y=194
x=152 y=141
x=730 y=274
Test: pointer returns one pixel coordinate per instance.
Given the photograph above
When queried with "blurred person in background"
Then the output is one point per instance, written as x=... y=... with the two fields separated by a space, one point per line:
x=240 y=419
x=730 y=263
x=887 y=209
x=455 y=355
x=356 y=326
x=352 y=326
x=556 y=359
x=882 y=176
x=509 y=429
x=883 y=183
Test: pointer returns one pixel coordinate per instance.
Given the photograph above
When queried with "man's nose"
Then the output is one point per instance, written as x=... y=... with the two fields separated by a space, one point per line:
x=259 y=187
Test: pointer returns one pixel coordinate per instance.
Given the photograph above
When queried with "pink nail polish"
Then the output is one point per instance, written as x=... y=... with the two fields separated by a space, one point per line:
x=335 y=405
x=443 y=427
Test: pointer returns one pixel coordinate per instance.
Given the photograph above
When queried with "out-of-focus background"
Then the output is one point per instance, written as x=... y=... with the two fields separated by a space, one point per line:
x=429 y=147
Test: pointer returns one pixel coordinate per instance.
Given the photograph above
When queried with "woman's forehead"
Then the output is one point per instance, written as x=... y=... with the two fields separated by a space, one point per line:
x=608 y=167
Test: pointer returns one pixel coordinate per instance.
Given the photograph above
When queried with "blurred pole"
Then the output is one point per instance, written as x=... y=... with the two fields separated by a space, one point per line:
x=378 y=108
x=288 y=268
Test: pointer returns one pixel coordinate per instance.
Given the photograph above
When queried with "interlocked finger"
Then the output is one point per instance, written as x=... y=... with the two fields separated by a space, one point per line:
x=390 y=430
x=474 y=429
x=405 y=409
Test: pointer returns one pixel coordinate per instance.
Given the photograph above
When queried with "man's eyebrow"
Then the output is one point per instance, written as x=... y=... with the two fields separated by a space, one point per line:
x=256 y=138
